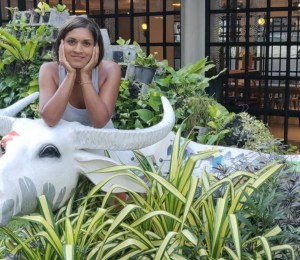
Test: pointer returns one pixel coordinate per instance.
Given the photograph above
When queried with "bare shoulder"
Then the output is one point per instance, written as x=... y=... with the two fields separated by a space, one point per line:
x=48 y=73
x=107 y=67
x=49 y=67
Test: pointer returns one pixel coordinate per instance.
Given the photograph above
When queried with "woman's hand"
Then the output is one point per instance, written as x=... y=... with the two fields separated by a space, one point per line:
x=63 y=60
x=93 y=61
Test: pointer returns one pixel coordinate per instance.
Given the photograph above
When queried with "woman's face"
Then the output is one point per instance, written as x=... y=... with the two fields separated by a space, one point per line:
x=78 y=47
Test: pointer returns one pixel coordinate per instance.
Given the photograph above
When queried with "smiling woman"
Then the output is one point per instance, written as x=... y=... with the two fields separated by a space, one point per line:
x=79 y=86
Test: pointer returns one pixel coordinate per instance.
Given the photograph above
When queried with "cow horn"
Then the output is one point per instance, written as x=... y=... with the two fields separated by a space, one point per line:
x=19 y=106
x=114 y=139
x=6 y=113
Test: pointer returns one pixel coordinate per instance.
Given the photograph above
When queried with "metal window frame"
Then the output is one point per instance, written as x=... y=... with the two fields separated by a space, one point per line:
x=268 y=76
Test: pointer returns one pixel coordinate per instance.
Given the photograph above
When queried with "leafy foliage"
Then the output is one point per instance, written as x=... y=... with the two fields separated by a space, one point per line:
x=20 y=62
x=180 y=87
x=173 y=220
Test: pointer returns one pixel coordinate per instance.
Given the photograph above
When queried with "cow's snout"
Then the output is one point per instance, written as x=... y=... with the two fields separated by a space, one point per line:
x=7 y=138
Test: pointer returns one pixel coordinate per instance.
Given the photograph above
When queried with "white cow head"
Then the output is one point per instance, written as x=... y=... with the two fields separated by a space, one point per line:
x=44 y=160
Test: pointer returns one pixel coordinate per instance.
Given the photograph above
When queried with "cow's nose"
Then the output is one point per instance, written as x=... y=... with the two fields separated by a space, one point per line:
x=7 y=138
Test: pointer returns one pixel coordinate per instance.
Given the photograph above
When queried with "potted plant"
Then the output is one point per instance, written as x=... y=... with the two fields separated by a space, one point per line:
x=44 y=10
x=144 y=66
x=35 y=17
x=124 y=54
x=59 y=14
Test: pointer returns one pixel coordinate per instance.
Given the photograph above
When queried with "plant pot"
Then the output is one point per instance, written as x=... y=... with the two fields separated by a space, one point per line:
x=144 y=74
x=35 y=18
x=54 y=34
x=46 y=17
x=123 y=69
x=25 y=16
x=58 y=18
x=17 y=16
x=118 y=56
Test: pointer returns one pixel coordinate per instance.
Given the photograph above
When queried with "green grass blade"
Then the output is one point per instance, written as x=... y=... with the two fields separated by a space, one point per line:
x=69 y=252
x=117 y=222
x=162 y=250
x=121 y=247
x=190 y=237
x=190 y=198
x=234 y=228
x=51 y=234
x=13 y=41
x=231 y=253
x=68 y=230
x=94 y=221
x=284 y=248
x=28 y=252
x=219 y=223
x=45 y=211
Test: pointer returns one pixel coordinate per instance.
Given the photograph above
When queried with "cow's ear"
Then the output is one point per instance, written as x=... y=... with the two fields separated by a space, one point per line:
x=88 y=163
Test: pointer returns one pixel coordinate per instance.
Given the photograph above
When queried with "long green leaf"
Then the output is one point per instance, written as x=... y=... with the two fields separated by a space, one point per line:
x=13 y=41
x=231 y=253
x=56 y=244
x=15 y=53
x=161 y=252
x=284 y=248
x=264 y=243
x=117 y=222
x=120 y=248
x=29 y=253
x=219 y=219
x=189 y=199
x=50 y=233
x=69 y=252
x=234 y=228
x=94 y=221
x=45 y=211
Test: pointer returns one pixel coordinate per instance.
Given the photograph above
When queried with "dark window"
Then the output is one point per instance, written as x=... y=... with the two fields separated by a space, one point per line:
x=259 y=44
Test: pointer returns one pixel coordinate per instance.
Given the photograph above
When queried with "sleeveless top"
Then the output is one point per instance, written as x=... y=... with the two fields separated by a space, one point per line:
x=73 y=114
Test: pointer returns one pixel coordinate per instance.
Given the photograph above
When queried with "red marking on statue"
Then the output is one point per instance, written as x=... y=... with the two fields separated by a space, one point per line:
x=7 y=138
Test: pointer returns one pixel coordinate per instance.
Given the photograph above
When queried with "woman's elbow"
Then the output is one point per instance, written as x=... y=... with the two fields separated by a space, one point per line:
x=51 y=122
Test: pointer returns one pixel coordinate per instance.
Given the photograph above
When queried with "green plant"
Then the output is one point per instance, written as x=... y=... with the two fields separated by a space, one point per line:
x=247 y=132
x=123 y=42
x=180 y=87
x=42 y=8
x=12 y=10
x=180 y=217
x=14 y=50
x=60 y=8
x=144 y=60
x=216 y=132
x=135 y=109
x=20 y=63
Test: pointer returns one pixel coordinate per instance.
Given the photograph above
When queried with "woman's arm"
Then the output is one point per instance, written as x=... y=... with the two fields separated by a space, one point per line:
x=101 y=106
x=53 y=99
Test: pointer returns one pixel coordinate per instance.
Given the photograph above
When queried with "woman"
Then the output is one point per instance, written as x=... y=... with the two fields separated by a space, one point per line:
x=81 y=87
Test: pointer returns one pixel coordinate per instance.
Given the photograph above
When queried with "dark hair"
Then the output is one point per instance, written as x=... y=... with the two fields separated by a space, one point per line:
x=79 y=22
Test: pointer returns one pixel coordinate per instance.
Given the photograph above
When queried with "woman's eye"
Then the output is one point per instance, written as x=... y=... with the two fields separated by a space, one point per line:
x=71 y=42
x=87 y=44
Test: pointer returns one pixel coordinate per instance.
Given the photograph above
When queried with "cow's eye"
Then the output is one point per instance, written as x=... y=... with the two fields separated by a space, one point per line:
x=49 y=151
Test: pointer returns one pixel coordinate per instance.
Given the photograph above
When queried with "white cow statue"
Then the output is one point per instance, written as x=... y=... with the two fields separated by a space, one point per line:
x=47 y=160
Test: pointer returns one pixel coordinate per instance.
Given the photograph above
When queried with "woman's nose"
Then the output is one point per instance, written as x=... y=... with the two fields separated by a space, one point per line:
x=78 y=47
